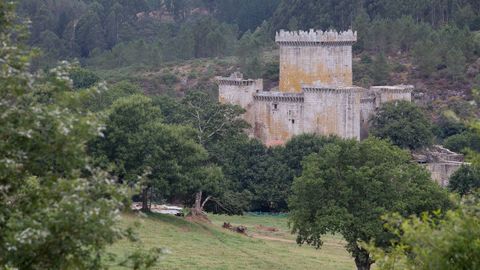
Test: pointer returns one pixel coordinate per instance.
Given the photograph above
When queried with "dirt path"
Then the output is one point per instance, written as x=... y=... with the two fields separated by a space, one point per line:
x=263 y=237
x=268 y=238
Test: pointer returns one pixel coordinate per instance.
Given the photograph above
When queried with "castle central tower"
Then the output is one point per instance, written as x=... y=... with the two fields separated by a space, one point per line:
x=315 y=58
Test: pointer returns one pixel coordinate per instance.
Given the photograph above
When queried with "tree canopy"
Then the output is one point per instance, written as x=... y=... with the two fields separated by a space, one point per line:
x=57 y=210
x=347 y=186
x=465 y=180
x=449 y=241
x=404 y=124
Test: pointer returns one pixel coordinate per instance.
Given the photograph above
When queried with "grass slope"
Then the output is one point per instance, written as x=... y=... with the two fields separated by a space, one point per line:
x=199 y=246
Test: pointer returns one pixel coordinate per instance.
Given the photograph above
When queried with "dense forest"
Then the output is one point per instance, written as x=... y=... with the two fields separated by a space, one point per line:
x=154 y=32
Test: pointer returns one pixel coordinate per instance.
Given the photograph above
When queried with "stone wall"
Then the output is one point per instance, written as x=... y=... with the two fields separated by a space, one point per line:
x=315 y=58
x=278 y=117
x=367 y=110
x=239 y=91
x=441 y=162
x=441 y=171
x=390 y=93
x=333 y=111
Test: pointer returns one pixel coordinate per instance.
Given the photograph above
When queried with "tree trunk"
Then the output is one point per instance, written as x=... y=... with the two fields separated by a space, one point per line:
x=362 y=264
x=197 y=207
x=145 y=205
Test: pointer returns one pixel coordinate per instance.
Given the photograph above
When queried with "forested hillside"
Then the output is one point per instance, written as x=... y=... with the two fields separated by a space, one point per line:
x=398 y=40
x=175 y=46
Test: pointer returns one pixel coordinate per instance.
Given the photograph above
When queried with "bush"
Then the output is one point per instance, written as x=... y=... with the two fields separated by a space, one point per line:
x=465 y=180
x=404 y=124
x=460 y=142
x=83 y=78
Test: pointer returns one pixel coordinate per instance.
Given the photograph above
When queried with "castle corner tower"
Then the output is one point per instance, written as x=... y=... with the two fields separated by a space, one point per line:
x=315 y=58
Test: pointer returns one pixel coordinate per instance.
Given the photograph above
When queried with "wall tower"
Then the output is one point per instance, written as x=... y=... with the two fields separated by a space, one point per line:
x=239 y=91
x=315 y=58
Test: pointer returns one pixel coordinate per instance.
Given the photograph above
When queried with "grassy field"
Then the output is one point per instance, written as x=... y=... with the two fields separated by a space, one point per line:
x=201 y=246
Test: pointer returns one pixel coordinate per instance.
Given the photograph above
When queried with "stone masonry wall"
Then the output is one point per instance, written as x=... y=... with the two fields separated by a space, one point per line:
x=390 y=93
x=333 y=111
x=238 y=91
x=278 y=117
x=367 y=110
x=315 y=57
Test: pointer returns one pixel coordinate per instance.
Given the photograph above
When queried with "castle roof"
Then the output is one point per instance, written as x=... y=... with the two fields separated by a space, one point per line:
x=315 y=37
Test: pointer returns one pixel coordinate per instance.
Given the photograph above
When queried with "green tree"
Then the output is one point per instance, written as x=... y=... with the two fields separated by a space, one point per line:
x=425 y=242
x=380 y=70
x=404 y=124
x=465 y=180
x=165 y=160
x=463 y=142
x=102 y=100
x=212 y=120
x=456 y=62
x=57 y=211
x=89 y=33
x=83 y=78
x=249 y=55
x=348 y=186
x=302 y=146
x=426 y=57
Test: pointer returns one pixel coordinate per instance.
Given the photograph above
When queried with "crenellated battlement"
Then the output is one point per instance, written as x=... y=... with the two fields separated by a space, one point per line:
x=332 y=89
x=314 y=37
x=401 y=89
x=279 y=97
x=236 y=79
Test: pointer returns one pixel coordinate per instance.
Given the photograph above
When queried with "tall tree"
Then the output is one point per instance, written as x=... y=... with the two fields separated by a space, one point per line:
x=212 y=120
x=56 y=210
x=90 y=33
x=348 y=186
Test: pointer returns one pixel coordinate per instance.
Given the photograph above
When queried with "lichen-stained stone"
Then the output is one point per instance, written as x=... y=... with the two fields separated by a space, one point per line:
x=315 y=57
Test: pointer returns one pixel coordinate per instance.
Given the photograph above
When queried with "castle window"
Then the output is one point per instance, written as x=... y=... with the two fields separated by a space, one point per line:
x=275 y=106
x=293 y=121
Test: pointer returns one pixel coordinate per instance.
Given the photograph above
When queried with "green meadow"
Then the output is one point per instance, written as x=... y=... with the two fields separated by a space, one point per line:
x=267 y=245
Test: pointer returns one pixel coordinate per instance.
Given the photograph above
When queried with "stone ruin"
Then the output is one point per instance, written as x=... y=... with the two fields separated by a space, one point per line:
x=441 y=162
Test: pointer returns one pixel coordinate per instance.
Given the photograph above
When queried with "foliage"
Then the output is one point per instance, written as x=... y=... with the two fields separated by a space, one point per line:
x=448 y=124
x=426 y=242
x=380 y=70
x=465 y=180
x=102 y=100
x=163 y=159
x=57 y=211
x=249 y=53
x=463 y=141
x=212 y=120
x=347 y=186
x=404 y=124
x=83 y=78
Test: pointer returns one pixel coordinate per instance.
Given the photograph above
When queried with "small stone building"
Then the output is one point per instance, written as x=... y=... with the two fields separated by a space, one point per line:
x=315 y=95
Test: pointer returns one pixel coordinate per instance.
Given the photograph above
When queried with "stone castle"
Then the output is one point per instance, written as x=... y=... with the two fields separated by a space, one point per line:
x=315 y=94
